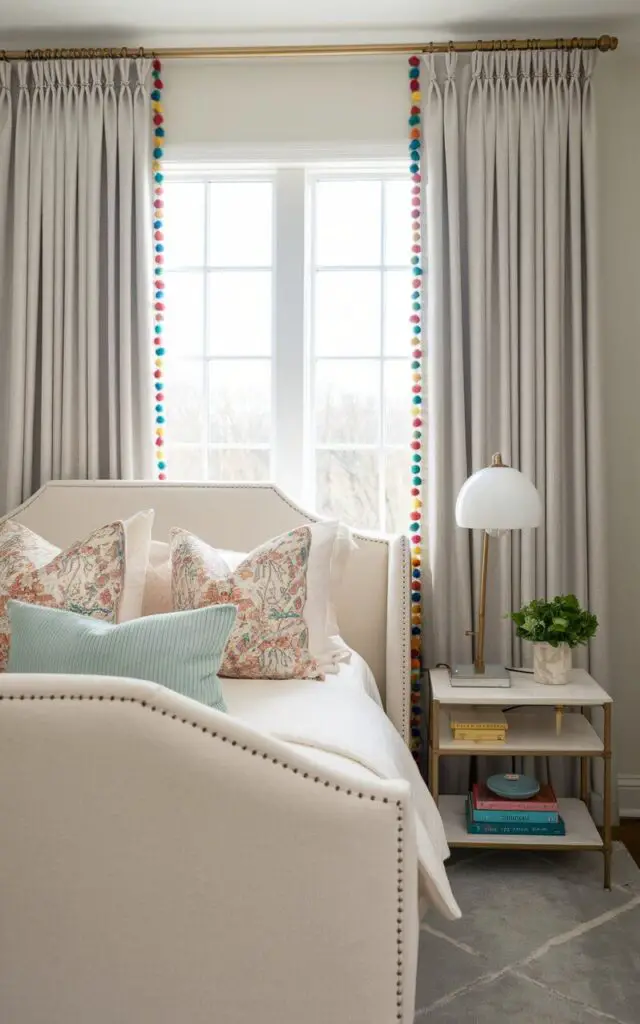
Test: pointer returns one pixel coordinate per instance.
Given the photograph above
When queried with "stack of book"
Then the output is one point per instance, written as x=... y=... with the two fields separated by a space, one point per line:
x=488 y=814
x=486 y=725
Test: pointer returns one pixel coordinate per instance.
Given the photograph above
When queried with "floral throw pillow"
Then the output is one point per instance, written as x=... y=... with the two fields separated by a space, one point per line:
x=88 y=577
x=270 y=638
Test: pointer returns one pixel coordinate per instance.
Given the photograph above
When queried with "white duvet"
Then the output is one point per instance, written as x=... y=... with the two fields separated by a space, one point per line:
x=345 y=726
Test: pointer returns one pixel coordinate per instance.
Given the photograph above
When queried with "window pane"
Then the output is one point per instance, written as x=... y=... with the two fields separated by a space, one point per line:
x=347 y=401
x=347 y=487
x=240 y=312
x=397 y=490
x=184 y=402
x=347 y=312
x=397 y=222
x=397 y=310
x=239 y=464
x=347 y=223
x=240 y=224
x=185 y=462
x=184 y=224
x=240 y=401
x=397 y=401
x=184 y=314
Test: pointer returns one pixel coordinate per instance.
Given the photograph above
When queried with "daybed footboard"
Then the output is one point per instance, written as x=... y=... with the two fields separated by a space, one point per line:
x=164 y=863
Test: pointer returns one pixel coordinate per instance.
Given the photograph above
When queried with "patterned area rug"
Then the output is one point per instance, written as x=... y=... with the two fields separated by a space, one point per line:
x=540 y=942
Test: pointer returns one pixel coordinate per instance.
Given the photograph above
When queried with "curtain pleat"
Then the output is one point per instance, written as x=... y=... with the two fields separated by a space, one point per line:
x=513 y=350
x=75 y=229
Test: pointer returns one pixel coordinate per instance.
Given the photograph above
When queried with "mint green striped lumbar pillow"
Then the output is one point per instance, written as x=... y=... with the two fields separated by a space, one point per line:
x=180 y=650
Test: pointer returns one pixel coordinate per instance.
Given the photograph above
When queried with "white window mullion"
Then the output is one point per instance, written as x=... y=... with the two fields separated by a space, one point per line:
x=288 y=379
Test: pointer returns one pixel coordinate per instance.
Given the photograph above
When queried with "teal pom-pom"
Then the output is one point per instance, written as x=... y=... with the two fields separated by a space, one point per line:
x=417 y=400
x=417 y=329
x=156 y=95
x=158 y=385
x=158 y=271
x=157 y=224
x=159 y=407
x=417 y=480
x=415 y=305
x=416 y=295
x=162 y=465
x=417 y=434
x=414 y=144
x=417 y=457
x=414 y=72
x=159 y=351
x=414 y=119
x=415 y=260
x=158 y=328
x=158 y=177
x=415 y=364
x=417 y=270
x=159 y=132
x=414 y=527
x=159 y=247
x=414 y=168
x=158 y=152
x=159 y=419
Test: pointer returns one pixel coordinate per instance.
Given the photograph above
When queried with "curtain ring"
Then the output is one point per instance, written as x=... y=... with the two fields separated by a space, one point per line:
x=451 y=46
x=141 y=51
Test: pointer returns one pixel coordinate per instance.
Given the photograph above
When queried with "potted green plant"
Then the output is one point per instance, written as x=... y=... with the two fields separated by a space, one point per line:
x=554 y=628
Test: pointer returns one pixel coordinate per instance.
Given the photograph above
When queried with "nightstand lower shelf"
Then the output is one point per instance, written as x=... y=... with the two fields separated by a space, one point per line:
x=581 y=832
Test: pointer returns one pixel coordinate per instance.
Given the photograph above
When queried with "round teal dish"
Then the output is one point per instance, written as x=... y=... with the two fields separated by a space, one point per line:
x=513 y=787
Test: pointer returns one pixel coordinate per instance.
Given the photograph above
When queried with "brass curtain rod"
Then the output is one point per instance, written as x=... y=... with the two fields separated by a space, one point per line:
x=603 y=43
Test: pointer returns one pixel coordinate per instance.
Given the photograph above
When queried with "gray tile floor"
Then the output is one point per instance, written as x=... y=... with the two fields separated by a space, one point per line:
x=540 y=942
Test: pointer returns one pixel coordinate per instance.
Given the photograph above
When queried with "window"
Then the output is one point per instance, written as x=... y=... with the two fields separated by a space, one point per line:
x=287 y=306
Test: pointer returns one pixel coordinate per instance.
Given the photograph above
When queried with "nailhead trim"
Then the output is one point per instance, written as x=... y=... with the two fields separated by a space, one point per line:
x=295 y=771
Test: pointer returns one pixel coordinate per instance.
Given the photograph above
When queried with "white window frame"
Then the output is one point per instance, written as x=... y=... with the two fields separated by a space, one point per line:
x=293 y=446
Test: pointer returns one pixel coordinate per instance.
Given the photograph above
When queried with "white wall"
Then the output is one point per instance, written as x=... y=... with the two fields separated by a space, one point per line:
x=230 y=108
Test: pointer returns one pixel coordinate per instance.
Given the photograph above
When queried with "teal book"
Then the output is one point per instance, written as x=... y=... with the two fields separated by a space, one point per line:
x=508 y=817
x=489 y=828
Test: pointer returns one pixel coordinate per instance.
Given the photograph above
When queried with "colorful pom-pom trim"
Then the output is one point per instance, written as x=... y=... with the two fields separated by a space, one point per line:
x=415 y=328
x=157 y=115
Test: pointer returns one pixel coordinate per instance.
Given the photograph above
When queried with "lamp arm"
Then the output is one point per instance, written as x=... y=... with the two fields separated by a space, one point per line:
x=479 y=664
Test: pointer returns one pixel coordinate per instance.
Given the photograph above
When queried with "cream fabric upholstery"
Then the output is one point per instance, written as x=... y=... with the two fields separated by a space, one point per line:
x=138 y=886
x=373 y=605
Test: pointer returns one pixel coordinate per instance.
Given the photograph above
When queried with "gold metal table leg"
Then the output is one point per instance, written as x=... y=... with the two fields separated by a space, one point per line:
x=607 y=796
x=434 y=760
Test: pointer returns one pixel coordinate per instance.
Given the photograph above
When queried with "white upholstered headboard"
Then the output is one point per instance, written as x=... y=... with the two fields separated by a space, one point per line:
x=373 y=607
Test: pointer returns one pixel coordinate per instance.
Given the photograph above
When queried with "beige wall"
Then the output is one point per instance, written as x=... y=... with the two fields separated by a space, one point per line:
x=215 y=109
x=618 y=106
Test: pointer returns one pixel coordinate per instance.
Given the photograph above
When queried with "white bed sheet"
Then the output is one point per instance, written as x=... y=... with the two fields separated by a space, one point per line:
x=241 y=695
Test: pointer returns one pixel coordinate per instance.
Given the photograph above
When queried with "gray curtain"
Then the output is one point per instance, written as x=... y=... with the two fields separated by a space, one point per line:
x=75 y=281
x=513 y=355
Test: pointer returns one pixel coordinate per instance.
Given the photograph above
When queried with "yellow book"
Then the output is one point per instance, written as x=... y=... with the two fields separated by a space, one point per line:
x=477 y=719
x=481 y=735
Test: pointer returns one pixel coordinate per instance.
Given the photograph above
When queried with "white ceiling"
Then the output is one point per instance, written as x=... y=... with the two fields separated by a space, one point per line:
x=161 y=22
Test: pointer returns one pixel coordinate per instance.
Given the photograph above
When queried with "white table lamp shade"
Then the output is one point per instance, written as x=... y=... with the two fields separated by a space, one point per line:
x=498 y=498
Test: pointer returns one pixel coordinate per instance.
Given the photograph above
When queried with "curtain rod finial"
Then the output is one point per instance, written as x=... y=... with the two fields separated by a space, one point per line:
x=607 y=43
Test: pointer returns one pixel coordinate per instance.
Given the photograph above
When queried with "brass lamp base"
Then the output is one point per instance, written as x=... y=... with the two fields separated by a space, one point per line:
x=468 y=675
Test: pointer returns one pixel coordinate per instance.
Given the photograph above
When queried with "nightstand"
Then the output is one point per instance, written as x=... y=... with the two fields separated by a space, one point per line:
x=534 y=728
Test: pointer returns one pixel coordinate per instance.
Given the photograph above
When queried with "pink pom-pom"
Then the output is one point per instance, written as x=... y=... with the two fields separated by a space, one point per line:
x=162 y=476
x=417 y=422
x=417 y=353
x=416 y=538
x=414 y=319
x=415 y=491
x=415 y=191
x=414 y=62
x=415 y=445
x=416 y=248
x=416 y=177
x=417 y=388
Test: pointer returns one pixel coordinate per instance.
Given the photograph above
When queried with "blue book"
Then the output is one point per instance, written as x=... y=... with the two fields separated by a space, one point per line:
x=488 y=828
x=505 y=817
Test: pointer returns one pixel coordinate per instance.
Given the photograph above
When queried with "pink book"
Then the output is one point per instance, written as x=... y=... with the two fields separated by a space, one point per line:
x=485 y=800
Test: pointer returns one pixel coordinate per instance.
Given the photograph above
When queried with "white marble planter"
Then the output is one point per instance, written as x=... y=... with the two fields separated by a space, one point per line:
x=551 y=665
